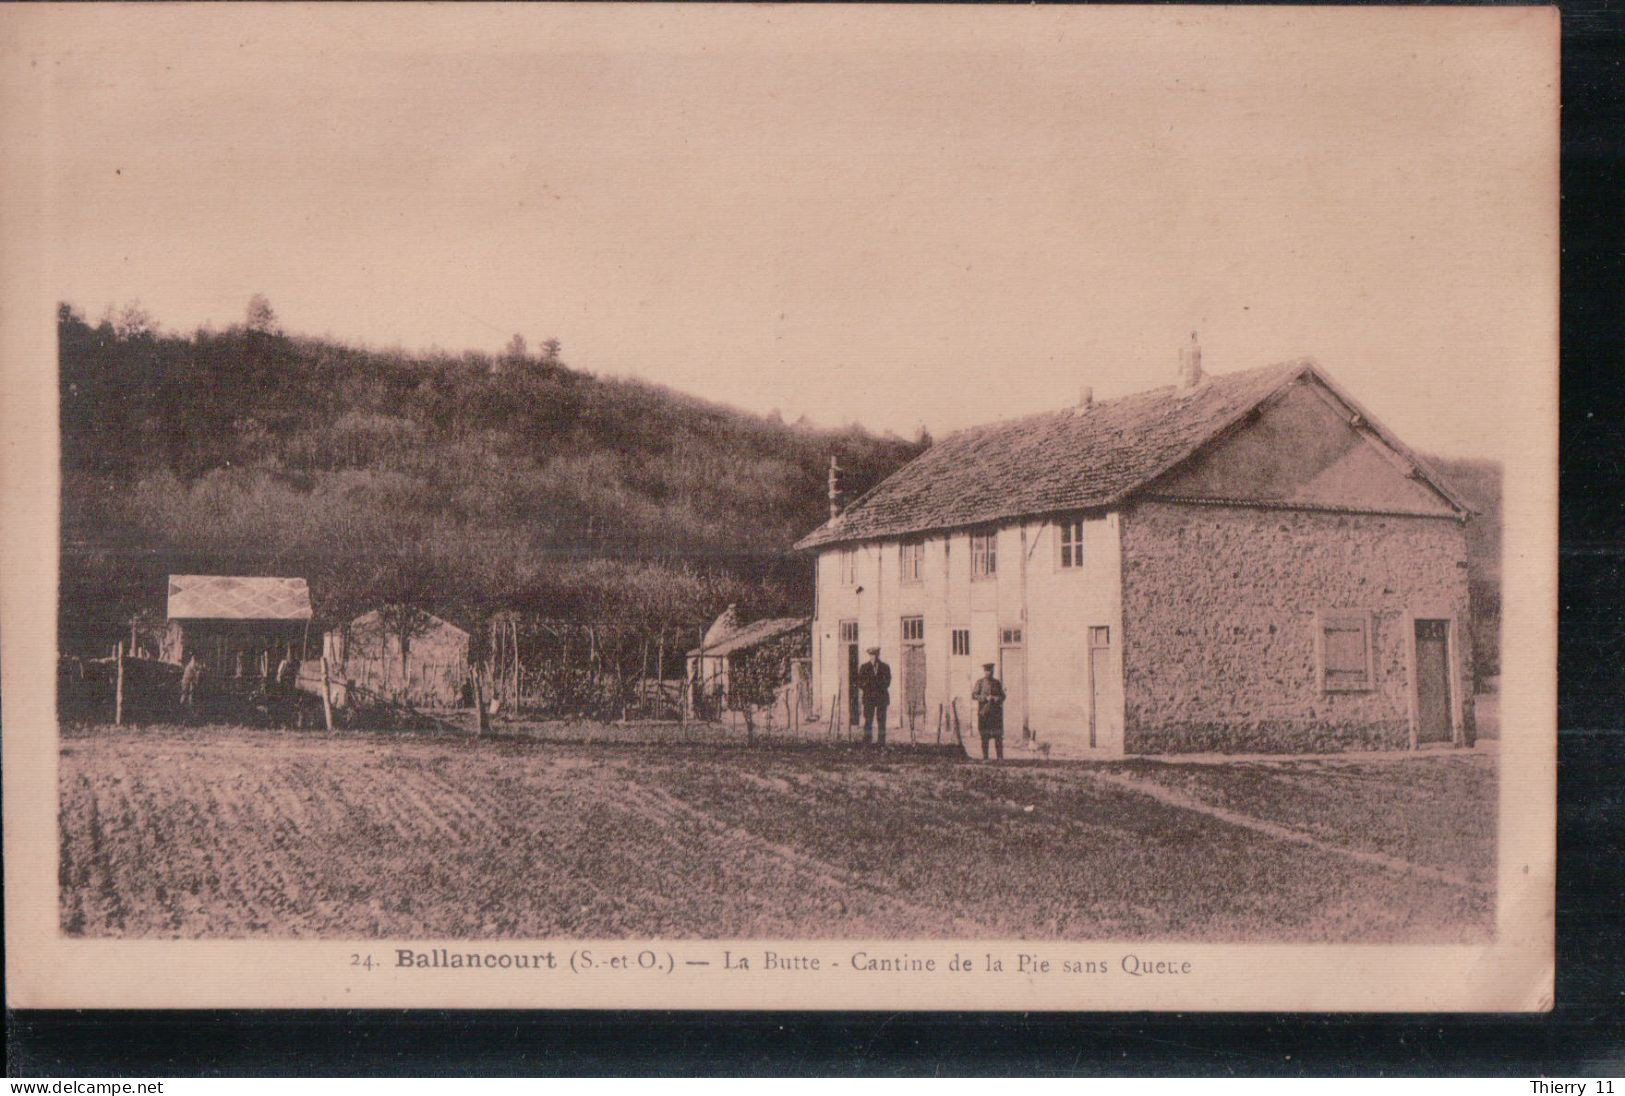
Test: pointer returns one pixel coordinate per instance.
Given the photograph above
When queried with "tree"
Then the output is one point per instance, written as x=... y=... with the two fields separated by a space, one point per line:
x=260 y=316
x=755 y=680
x=516 y=350
x=550 y=350
x=405 y=622
x=134 y=322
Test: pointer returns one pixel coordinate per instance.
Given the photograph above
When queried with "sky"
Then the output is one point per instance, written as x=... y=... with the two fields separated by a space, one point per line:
x=889 y=216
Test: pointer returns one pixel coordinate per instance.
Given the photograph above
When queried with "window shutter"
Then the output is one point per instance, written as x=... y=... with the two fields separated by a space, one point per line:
x=1344 y=639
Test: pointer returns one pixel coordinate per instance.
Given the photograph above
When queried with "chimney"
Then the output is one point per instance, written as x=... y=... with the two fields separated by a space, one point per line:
x=1086 y=398
x=1190 y=365
x=836 y=497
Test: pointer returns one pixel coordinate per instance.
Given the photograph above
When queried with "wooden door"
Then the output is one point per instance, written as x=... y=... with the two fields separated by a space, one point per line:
x=913 y=647
x=1100 y=661
x=849 y=672
x=914 y=684
x=1013 y=674
x=960 y=675
x=1433 y=682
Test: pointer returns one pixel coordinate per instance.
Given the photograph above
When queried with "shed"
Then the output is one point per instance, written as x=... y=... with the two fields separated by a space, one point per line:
x=239 y=626
x=402 y=656
x=779 y=647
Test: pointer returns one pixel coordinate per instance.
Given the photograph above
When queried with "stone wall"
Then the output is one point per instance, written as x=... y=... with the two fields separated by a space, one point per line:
x=1219 y=611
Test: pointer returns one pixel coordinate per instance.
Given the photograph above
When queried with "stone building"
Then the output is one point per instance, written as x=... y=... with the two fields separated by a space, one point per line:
x=1242 y=562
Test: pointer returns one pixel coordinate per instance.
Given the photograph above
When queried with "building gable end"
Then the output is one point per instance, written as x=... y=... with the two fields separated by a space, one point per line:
x=1306 y=447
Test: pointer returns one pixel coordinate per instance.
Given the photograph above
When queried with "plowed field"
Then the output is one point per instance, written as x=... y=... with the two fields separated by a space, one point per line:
x=225 y=832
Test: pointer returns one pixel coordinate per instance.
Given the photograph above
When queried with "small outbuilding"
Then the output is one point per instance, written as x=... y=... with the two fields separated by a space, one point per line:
x=747 y=664
x=403 y=656
x=240 y=626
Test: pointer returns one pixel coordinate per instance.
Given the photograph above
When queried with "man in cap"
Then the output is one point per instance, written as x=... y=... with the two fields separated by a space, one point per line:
x=989 y=696
x=874 y=687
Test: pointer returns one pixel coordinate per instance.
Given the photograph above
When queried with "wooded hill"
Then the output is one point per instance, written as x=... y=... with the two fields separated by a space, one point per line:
x=467 y=484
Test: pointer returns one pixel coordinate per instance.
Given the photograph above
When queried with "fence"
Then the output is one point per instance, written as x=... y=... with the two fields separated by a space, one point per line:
x=423 y=684
x=605 y=670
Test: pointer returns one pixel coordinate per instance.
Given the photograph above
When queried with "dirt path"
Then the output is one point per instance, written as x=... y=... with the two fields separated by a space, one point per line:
x=1172 y=798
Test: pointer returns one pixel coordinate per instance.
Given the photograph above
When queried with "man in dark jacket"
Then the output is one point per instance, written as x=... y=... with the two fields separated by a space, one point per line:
x=989 y=696
x=874 y=687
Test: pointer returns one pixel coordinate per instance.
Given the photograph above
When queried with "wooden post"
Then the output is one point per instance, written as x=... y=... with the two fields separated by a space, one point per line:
x=327 y=694
x=118 y=686
x=495 y=655
x=643 y=677
x=941 y=715
x=957 y=736
x=479 y=705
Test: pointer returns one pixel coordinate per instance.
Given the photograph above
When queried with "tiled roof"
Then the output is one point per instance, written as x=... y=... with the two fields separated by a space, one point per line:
x=749 y=635
x=226 y=597
x=1074 y=459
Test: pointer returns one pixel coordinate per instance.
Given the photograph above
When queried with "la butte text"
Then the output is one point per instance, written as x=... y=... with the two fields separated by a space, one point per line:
x=772 y=960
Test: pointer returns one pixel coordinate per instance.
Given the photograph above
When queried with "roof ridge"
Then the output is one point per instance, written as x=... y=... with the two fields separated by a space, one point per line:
x=1053 y=461
x=1138 y=393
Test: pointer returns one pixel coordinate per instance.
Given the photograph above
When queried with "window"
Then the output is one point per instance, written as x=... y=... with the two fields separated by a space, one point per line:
x=849 y=566
x=984 y=554
x=849 y=631
x=1010 y=637
x=1344 y=639
x=1071 y=534
x=913 y=629
x=961 y=640
x=912 y=556
x=1100 y=635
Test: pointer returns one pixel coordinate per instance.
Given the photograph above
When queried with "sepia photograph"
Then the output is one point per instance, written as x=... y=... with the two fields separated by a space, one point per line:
x=593 y=494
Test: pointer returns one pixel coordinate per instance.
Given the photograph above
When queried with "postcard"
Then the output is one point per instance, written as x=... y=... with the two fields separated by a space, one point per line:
x=778 y=506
